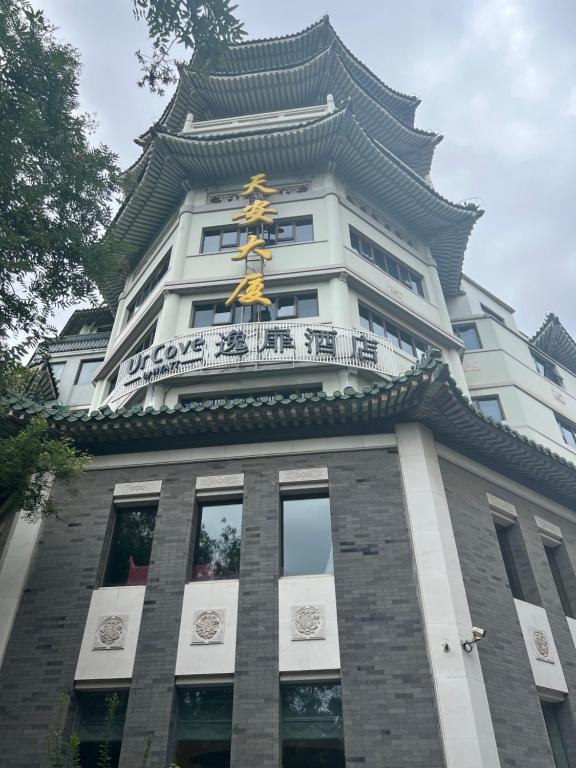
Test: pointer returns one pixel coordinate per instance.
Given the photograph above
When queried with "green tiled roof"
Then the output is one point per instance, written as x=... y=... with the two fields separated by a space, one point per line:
x=304 y=84
x=553 y=339
x=425 y=393
x=336 y=141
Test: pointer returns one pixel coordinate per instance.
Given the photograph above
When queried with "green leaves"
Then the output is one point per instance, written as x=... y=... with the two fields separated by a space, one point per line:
x=206 y=27
x=56 y=188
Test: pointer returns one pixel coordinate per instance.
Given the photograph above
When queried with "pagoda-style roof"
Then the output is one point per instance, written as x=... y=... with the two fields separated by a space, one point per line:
x=555 y=341
x=306 y=83
x=287 y=51
x=426 y=393
x=336 y=142
x=90 y=316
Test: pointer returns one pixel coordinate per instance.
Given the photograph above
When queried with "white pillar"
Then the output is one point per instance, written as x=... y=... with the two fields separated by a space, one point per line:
x=465 y=721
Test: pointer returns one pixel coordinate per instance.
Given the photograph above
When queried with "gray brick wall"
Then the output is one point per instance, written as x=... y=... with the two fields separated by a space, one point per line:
x=390 y=717
x=512 y=695
x=388 y=700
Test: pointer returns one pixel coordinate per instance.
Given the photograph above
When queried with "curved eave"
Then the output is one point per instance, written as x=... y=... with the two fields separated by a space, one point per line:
x=337 y=143
x=305 y=84
x=553 y=339
x=426 y=393
x=288 y=51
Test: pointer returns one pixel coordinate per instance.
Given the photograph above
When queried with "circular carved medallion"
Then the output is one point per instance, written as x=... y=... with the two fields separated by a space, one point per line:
x=541 y=643
x=111 y=630
x=307 y=620
x=207 y=625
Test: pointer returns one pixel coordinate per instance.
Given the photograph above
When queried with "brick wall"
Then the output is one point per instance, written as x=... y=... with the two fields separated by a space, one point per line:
x=512 y=695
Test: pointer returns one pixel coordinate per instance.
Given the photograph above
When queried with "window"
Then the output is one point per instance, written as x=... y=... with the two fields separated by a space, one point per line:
x=283 y=307
x=129 y=554
x=400 y=337
x=547 y=369
x=568 y=432
x=386 y=262
x=146 y=341
x=306 y=536
x=468 y=334
x=489 y=406
x=558 y=560
x=503 y=532
x=494 y=315
x=57 y=370
x=100 y=722
x=86 y=370
x=151 y=283
x=270 y=395
x=204 y=727
x=217 y=541
x=284 y=231
x=550 y=712
x=312 y=732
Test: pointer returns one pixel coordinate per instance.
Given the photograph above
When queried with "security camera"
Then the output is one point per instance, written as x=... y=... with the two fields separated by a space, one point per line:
x=477 y=634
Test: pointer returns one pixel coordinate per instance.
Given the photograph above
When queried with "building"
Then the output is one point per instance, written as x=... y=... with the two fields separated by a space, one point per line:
x=330 y=516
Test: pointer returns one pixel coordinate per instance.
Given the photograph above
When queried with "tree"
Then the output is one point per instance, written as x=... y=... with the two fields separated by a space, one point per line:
x=205 y=26
x=56 y=190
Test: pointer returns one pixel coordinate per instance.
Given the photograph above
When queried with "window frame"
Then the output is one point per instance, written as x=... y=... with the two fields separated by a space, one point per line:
x=490 y=398
x=77 y=381
x=414 y=277
x=549 y=370
x=566 y=600
x=296 y=297
x=116 y=511
x=206 y=502
x=265 y=230
x=509 y=560
x=82 y=695
x=468 y=326
x=148 y=286
x=566 y=426
x=386 y=323
x=318 y=493
x=180 y=691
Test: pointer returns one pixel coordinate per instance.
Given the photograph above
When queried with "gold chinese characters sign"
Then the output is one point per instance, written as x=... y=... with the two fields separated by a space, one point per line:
x=255 y=215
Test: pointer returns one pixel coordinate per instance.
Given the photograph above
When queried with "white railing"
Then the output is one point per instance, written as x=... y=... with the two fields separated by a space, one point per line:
x=255 y=345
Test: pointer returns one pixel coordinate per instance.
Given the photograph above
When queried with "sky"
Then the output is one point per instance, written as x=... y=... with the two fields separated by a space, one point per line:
x=496 y=77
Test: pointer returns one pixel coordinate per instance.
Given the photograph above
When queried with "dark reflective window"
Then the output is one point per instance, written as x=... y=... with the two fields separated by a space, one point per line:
x=378 y=324
x=560 y=566
x=568 y=432
x=386 y=262
x=490 y=406
x=129 y=555
x=99 y=726
x=547 y=369
x=307 y=536
x=217 y=542
x=286 y=306
x=204 y=727
x=155 y=278
x=312 y=732
x=503 y=532
x=551 y=712
x=468 y=334
x=283 y=231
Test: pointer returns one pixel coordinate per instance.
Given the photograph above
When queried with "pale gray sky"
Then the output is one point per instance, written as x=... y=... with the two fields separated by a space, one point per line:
x=496 y=77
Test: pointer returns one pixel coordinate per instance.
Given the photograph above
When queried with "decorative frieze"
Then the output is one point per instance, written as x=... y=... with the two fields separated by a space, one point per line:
x=542 y=645
x=308 y=622
x=208 y=626
x=233 y=195
x=111 y=633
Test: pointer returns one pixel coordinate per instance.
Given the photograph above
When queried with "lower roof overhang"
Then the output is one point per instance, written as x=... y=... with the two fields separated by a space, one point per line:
x=426 y=393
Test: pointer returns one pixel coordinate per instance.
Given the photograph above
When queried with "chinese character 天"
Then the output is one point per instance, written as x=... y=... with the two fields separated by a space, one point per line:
x=257 y=183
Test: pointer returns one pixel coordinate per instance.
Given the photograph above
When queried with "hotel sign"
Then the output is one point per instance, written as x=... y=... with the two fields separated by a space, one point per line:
x=254 y=345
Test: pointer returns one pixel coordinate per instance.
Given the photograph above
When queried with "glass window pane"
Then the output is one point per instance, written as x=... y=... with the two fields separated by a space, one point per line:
x=469 y=336
x=555 y=734
x=304 y=230
x=204 y=727
x=57 y=370
x=366 y=248
x=87 y=370
x=230 y=238
x=568 y=433
x=354 y=241
x=392 y=334
x=364 y=317
x=284 y=232
x=211 y=242
x=101 y=723
x=379 y=258
x=307 y=536
x=131 y=545
x=285 y=307
x=217 y=545
x=378 y=324
x=222 y=314
x=392 y=267
x=203 y=314
x=312 y=731
x=420 y=347
x=308 y=305
x=490 y=406
x=406 y=342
